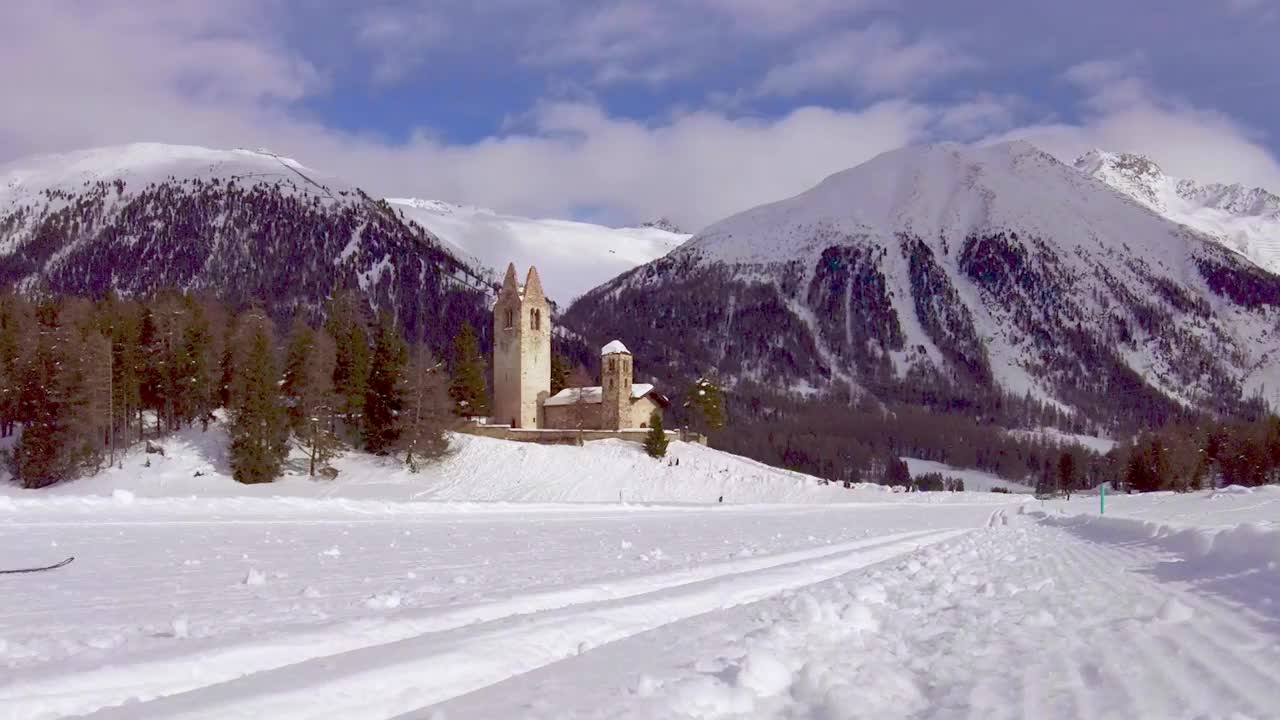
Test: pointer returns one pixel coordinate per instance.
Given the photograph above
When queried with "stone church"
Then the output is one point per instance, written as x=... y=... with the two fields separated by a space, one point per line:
x=522 y=371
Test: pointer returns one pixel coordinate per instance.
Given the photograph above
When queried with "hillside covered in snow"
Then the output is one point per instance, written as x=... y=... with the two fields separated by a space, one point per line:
x=974 y=270
x=572 y=257
x=1245 y=219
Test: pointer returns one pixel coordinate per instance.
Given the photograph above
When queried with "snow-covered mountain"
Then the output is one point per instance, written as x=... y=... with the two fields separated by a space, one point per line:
x=957 y=278
x=243 y=225
x=1244 y=219
x=572 y=257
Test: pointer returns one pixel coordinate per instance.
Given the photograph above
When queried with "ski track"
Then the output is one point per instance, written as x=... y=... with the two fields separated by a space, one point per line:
x=96 y=689
x=387 y=679
x=1014 y=620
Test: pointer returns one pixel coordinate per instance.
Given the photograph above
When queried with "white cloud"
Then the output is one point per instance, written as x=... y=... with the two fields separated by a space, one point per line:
x=1122 y=113
x=399 y=39
x=875 y=59
x=187 y=72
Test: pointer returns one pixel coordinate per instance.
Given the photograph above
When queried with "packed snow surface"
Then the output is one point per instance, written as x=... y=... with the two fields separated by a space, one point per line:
x=571 y=257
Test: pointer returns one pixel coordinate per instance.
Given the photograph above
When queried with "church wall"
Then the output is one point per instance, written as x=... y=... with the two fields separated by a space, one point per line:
x=563 y=416
x=641 y=410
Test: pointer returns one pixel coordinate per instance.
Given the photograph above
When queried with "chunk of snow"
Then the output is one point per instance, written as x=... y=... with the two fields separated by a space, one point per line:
x=254 y=577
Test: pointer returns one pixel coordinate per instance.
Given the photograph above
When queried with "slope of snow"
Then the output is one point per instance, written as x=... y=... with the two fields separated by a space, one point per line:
x=944 y=194
x=1246 y=220
x=477 y=470
x=139 y=164
x=1100 y=445
x=974 y=480
x=572 y=257
x=944 y=191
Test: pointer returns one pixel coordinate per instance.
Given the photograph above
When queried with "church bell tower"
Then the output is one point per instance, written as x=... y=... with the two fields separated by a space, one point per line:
x=521 y=351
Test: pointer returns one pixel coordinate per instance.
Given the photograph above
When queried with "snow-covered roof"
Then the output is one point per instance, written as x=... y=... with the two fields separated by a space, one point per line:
x=593 y=394
x=614 y=347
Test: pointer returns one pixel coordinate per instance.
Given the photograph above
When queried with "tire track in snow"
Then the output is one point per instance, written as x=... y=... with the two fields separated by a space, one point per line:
x=417 y=672
x=166 y=674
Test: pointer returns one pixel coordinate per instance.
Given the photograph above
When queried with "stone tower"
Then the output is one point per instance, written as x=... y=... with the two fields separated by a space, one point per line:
x=521 y=351
x=615 y=384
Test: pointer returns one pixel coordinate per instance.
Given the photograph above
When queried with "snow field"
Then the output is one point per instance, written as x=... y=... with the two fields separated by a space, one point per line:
x=478 y=469
x=216 y=610
x=1015 y=620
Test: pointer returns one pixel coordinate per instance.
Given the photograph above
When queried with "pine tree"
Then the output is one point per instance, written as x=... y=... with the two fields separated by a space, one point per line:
x=194 y=368
x=351 y=369
x=1066 y=473
x=655 y=442
x=17 y=333
x=317 y=403
x=467 y=387
x=259 y=427
x=48 y=451
x=705 y=406
x=559 y=373
x=293 y=386
x=384 y=397
x=428 y=409
x=126 y=360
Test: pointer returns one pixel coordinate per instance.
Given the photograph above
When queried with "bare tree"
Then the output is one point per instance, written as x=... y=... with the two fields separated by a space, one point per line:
x=580 y=410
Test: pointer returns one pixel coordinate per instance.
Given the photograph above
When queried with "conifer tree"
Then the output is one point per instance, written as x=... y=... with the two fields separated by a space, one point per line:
x=704 y=405
x=47 y=451
x=384 y=397
x=1066 y=473
x=351 y=369
x=194 y=368
x=126 y=359
x=259 y=428
x=17 y=331
x=467 y=386
x=293 y=386
x=317 y=402
x=428 y=409
x=559 y=373
x=655 y=442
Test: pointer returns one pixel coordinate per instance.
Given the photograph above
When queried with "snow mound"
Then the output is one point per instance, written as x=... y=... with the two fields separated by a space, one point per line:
x=195 y=467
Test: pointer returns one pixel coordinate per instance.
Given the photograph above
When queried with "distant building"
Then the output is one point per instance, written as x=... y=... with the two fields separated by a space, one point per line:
x=522 y=371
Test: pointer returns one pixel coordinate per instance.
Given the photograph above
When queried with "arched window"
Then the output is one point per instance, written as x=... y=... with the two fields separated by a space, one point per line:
x=510 y=318
x=535 y=319
x=611 y=364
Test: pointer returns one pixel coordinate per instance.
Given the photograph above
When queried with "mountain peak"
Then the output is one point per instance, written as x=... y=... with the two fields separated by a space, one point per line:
x=663 y=223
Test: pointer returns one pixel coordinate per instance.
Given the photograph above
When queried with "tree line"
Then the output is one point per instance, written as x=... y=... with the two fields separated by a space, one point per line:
x=1191 y=457
x=82 y=381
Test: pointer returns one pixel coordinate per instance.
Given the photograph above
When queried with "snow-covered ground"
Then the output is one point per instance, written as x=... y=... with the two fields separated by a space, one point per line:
x=353 y=599
x=974 y=480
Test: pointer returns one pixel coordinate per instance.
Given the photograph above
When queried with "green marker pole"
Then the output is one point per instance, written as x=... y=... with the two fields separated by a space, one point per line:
x=1102 y=499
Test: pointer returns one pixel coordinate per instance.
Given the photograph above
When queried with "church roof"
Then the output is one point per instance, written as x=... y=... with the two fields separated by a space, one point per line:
x=591 y=395
x=614 y=348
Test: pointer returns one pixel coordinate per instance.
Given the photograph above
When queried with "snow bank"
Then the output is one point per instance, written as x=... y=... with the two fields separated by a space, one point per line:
x=1238 y=548
x=195 y=465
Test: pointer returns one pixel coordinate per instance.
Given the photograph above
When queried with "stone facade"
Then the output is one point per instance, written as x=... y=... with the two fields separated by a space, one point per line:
x=521 y=351
x=615 y=376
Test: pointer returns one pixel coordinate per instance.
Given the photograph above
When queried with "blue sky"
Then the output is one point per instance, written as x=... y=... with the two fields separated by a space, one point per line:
x=622 y=111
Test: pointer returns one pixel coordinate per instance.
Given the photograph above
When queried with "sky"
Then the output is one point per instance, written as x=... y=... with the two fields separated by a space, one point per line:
x=628 y=110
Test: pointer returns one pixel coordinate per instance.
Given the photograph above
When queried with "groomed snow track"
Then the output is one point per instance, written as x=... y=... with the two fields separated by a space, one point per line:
x=417 y=662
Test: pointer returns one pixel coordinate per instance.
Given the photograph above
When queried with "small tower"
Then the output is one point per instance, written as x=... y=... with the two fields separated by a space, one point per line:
x=615 y=384
x=521 y=351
